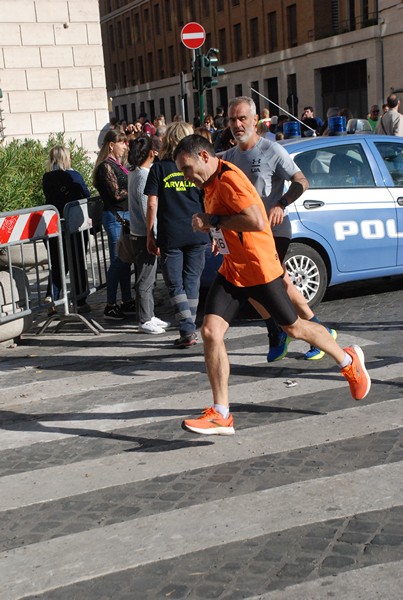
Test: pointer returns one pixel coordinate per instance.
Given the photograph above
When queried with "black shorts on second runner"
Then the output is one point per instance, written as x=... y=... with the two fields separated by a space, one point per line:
x=225 y=299
x=282 y=244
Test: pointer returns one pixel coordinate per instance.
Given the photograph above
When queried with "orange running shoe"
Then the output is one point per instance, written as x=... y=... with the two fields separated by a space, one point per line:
x=210 y=423
x=356 y=373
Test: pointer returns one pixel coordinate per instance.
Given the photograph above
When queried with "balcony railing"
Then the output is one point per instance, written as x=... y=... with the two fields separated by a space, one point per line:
x=343 y=27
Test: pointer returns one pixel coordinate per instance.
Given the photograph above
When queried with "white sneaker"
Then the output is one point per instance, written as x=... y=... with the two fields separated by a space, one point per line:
x=160 y=323
x=151 y=327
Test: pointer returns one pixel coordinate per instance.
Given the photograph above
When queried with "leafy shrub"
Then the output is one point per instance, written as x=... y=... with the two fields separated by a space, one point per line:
x=22 y=165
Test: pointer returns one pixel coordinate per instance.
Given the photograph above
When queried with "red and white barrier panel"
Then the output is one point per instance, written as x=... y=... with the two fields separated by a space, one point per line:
x=29 y=226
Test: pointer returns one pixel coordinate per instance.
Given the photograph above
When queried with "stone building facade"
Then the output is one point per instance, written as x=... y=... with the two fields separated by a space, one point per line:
x=296 y=52
x=52 y=70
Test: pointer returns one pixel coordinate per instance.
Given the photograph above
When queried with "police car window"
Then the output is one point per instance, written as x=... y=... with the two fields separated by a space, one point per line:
x=341 y=165
x=392 y=155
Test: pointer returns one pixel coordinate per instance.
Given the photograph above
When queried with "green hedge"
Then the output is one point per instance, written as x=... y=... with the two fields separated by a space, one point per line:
x=22 y=165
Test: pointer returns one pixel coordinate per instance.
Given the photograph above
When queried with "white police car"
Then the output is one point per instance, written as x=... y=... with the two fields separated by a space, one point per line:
x=348 y=225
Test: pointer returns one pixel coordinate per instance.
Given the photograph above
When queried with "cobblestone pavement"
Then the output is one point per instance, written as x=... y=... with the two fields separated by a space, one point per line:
x=105 y=496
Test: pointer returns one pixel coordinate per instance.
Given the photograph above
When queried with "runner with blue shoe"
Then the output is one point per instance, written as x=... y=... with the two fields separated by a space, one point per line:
x=268 y=165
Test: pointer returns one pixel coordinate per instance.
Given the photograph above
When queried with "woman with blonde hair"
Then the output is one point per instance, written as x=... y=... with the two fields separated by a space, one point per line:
x=173 y=201
x=111 y=180
x=204 y=133
x=62 y=184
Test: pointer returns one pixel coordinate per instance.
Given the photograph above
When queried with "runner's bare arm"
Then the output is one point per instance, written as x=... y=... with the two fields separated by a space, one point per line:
x=298 y=185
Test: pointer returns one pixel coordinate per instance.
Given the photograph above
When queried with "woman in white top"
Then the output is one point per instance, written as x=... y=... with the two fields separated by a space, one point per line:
x=141 y=157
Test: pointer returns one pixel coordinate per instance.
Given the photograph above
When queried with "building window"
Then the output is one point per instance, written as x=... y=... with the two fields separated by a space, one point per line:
x=147 y=28
x=172 y=105
x=133 y=109
x=192 y=10
x=207 y=43
x=171 y=61
x=235 y=2
x=137 y=27
x=123 y=72
x=142 y=107
x=238 y=89
x=272 y=31
x=254 y=37
x=162 y=106
x=129 y=37
x=124 y=112
x=271 y=88
x=151 y=109
x=220 y=5
x=255 y=97
x=120 y=34
x=237 y=41
x=292 y=25
x=168 y=15
x=222 y=96
x=157 y=19
x=160 y=56
x=222 y=45
x=179 y=12
x=206 y=8
x=141 y=69
x=112 y=38
x=132 y=75
x=352 y=18
x=292 y=98
x=150 y=66
x=115 y=76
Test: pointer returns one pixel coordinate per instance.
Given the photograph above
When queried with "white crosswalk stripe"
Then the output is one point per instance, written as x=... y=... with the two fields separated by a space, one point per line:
x=379 y=581
x=59 y=482
x=111 y=548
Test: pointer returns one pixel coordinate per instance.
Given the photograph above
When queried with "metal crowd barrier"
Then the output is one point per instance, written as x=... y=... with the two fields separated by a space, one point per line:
x=86 y=257
x=25 y=257
x=26 y=237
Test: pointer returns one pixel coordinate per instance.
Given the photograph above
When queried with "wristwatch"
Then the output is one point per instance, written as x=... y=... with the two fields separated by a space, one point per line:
x=214 y=220
x=283 y=202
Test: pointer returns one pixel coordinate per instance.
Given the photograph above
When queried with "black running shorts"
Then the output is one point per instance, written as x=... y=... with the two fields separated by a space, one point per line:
x=226 y=299
x=282 y=244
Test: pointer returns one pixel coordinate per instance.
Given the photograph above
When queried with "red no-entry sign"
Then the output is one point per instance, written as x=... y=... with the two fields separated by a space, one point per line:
x=193 y=35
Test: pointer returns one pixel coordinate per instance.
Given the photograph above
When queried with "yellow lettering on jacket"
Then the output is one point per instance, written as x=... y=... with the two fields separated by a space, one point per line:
x=179 y=186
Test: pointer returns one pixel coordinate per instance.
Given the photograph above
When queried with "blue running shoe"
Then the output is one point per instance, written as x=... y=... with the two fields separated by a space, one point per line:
x=315 y=353
x=278 y=347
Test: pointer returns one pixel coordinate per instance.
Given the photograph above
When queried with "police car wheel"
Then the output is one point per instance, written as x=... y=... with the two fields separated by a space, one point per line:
x=307 y=271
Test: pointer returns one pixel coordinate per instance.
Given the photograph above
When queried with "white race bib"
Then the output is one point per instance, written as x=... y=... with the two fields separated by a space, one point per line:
x=219 y=239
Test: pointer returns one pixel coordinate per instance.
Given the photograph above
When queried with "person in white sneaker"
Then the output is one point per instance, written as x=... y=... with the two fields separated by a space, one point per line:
x=141 y=157
x=154 y=326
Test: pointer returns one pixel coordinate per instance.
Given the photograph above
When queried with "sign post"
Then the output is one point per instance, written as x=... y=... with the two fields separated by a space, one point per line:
x=193 y=37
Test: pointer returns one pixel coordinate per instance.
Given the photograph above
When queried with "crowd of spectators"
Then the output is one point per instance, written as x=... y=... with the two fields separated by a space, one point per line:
x=159 y=203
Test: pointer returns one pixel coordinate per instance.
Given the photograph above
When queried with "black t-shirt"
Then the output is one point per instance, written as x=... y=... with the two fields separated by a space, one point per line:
x=178 y=200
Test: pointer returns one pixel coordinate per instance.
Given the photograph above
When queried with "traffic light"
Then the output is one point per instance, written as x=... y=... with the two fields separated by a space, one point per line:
x=210 y=70
x=216 y=71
